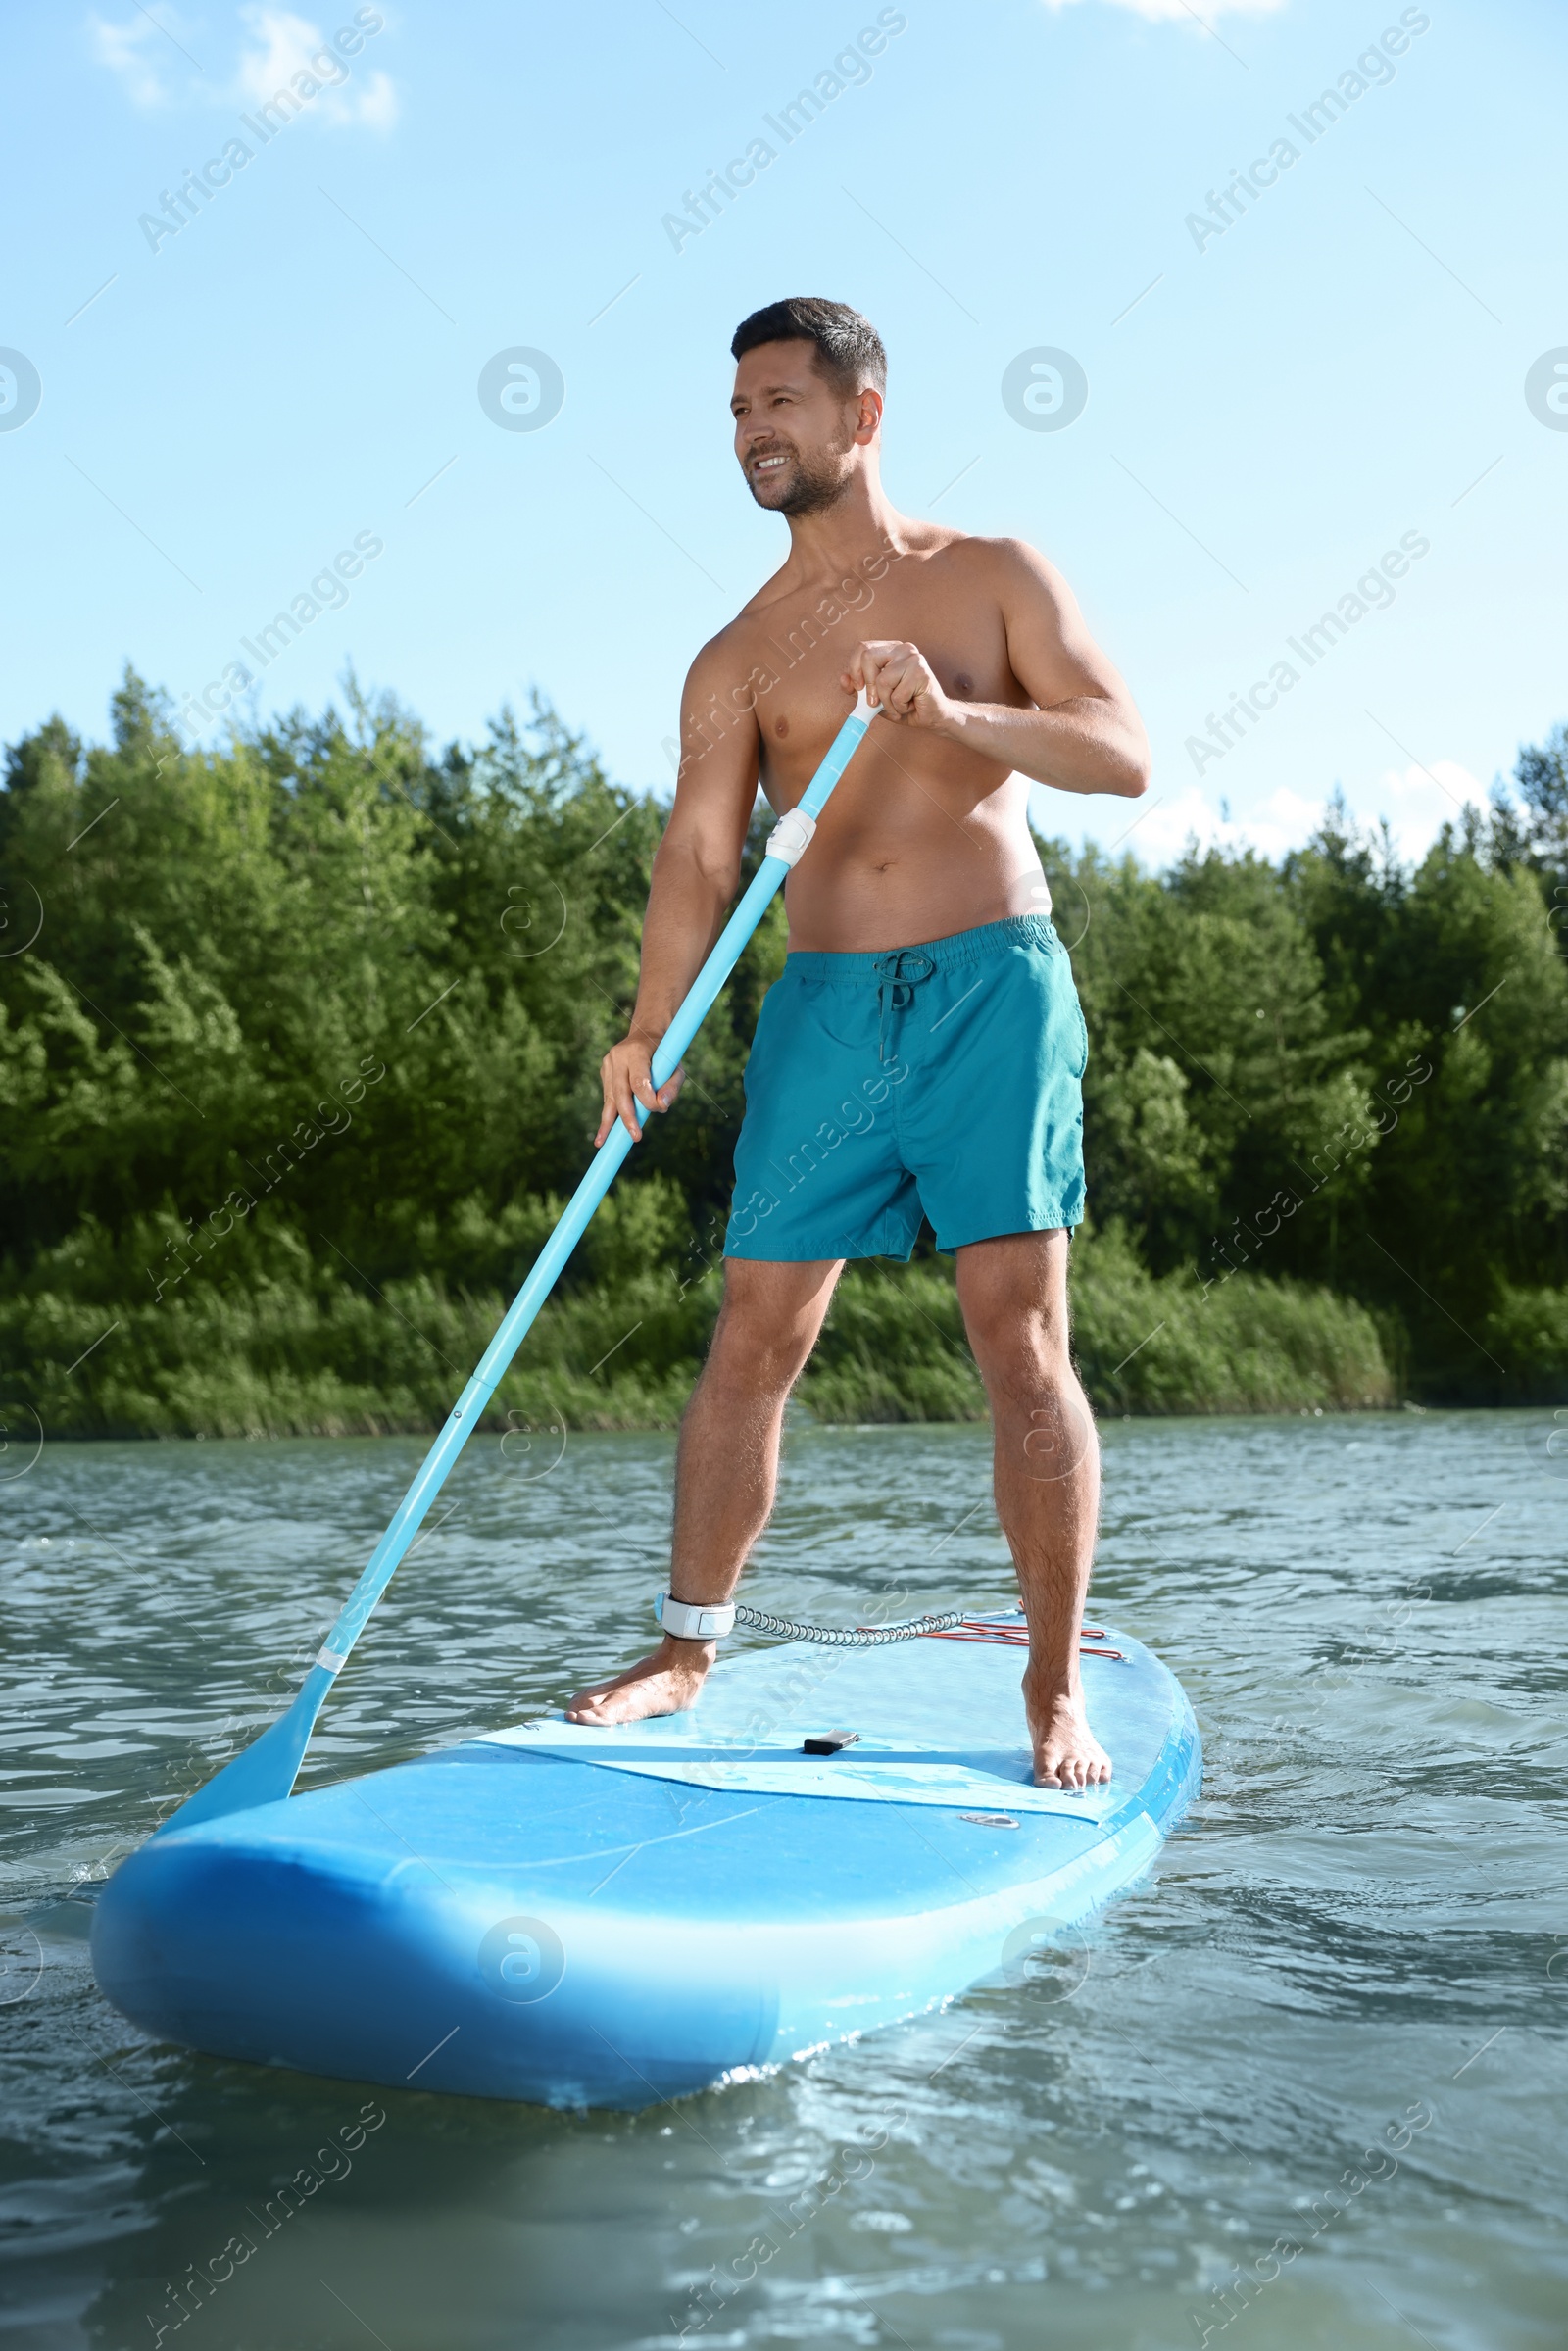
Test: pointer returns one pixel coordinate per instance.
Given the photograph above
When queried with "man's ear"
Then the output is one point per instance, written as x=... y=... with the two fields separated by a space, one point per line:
x=868 y=418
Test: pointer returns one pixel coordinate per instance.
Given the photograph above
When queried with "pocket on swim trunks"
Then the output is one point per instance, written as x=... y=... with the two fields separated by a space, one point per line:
x=1064 y=991
x=773 y=1009
x=841 y=1010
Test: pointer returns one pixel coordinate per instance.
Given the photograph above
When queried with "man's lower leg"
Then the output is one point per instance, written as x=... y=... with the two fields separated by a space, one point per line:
x=726 y=1473
x=1047 y=1499
x=1014 y=1299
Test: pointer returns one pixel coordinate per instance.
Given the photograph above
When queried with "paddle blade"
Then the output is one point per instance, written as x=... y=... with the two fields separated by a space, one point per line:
x=266 y=1770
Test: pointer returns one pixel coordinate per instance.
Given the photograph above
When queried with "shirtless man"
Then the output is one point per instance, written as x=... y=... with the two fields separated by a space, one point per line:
x=923 y=1048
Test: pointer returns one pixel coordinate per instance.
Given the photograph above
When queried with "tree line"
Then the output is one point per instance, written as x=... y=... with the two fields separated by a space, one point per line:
x=322 y=1013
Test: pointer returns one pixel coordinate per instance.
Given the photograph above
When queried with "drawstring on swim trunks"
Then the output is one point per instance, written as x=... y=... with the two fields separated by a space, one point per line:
x=896 y=974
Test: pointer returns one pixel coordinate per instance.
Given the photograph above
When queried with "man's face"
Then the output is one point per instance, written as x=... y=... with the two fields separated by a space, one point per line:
x=795 y=432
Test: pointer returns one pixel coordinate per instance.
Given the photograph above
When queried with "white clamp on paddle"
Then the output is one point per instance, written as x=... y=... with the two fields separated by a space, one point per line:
x=791 y=836
x=687 y=1623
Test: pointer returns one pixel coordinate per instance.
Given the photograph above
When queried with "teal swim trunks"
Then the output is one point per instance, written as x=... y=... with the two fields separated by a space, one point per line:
x=943 y=1080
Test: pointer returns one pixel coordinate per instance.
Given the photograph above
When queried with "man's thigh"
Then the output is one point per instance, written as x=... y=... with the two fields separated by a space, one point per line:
x=991 y=1118
x=818 y=1171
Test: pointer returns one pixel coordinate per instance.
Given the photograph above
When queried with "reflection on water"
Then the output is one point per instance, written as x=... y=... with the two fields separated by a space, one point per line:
x=1304 y=2088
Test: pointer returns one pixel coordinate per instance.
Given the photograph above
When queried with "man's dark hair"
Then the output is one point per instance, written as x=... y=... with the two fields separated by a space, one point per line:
x=849 y=349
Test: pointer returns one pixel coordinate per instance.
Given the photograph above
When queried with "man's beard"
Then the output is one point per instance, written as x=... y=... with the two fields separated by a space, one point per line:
x=814 y=485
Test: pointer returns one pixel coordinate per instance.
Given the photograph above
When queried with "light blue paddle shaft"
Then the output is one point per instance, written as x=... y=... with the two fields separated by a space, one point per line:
x=266 y=1770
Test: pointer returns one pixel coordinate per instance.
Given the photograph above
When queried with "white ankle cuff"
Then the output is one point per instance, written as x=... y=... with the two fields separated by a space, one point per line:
x=687 y=1623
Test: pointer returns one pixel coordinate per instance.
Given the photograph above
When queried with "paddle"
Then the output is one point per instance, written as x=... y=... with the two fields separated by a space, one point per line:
x=266 y=1770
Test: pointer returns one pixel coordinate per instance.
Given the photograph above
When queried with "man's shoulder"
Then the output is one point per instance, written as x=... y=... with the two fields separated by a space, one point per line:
x=1013 y=576
x=725 y=645
x=999 y=559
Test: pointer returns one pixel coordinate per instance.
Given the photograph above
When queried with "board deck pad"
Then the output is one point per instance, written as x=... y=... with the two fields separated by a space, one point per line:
x=943 y=1725
x=610 y=1917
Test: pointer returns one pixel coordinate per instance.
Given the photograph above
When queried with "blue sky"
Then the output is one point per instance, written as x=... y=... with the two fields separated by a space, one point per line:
x=1274 y=400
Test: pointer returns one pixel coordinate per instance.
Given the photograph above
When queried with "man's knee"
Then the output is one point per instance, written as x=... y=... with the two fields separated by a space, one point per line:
x=1020 y=1345
x=1013 y=1291
x=750 y=1353
x=768 y=1322
x=1028 y=1371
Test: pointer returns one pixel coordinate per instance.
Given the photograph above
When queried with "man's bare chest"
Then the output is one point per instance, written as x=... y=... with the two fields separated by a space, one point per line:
x=792 y=654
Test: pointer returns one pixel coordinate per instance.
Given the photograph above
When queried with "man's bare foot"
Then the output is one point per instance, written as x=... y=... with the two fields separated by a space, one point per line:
x=1067 y=1754
x=666 y=1682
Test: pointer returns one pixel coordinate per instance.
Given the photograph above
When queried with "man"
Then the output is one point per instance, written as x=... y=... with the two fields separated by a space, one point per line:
x=923 y=1048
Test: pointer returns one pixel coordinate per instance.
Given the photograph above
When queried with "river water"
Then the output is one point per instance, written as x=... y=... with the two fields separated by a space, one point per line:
x=1358 y=1940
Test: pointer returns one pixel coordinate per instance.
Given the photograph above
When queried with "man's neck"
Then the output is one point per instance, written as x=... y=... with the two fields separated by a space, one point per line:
x=831 y=539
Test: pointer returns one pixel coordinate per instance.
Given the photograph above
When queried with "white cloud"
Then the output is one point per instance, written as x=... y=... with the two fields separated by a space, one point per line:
x=1173 y=820
x=283 y=45
x=1176 y=12
x=1418 y=802
x=120 y=48
x=1415 y=802
x=378 y=102
x=279 y=45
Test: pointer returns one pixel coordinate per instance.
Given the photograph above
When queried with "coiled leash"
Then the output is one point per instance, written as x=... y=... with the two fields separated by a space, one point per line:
x=689 y=1622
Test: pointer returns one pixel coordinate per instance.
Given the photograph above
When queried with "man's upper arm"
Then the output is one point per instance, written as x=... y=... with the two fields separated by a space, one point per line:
x=1052 y=655
x=716 y=786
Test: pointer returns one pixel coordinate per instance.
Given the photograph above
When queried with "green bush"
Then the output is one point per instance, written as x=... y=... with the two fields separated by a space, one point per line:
x=1528 y=1330
x=1244 y=1345
x=302 y=1353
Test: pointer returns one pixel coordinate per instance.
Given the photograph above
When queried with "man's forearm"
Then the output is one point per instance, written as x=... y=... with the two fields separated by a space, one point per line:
x=686 y=907
x=1089 y=743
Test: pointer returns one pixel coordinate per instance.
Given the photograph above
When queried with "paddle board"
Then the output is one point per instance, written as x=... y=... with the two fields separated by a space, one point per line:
x=611 y=1917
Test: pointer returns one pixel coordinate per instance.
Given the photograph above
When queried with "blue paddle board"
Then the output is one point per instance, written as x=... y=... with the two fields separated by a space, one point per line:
x=610 y=1917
